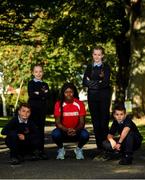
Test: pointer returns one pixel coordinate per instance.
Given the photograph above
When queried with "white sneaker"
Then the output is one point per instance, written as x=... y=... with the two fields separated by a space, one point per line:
x=61 y=153
x=79 y=153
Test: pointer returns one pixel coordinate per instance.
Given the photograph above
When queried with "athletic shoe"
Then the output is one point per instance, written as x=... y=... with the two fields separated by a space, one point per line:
x=79 y=153
x=14 y=161
x=61 y=153
x=126 y=160
x=43 y=155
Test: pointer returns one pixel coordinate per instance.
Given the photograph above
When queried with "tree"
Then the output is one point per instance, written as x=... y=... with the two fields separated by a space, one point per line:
x=136 y=88
x=2 y=94
x=61 y=35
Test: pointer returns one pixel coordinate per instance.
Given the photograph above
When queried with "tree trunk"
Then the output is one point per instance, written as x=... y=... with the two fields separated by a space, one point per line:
x=4 y=105
x=122 y=79
x=136 y=88
x=123 y=51
x=18 y=96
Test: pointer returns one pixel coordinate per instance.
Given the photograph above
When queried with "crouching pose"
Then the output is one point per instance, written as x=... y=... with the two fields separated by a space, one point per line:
x=129 y=138
x=21 y=135
x=70 y=120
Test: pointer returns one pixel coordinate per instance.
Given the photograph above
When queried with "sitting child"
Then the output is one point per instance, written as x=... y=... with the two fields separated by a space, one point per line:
x=70 y=121
x=21 y=135
x=129 y=137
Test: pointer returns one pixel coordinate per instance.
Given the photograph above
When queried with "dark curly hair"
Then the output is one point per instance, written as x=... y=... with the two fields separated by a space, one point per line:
x=62 y=98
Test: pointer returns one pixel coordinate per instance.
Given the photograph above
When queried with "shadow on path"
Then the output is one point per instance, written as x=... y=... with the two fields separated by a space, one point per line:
x=70 y=168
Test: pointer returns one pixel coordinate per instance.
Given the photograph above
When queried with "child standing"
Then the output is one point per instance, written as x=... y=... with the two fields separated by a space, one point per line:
x=97 y=79
x=38 y=100
x=129 y=138
x=22 y=135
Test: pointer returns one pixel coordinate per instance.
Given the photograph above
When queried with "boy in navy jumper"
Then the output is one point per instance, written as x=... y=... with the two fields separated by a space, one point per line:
x=21 y=135
x=129 y=138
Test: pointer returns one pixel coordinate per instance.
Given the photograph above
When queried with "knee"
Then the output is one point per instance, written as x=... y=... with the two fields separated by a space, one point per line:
x=107 y=145
x=84 y=134
x=12 y=136
x=11 y=139
x=35 y=139
x=56 y=133
x=129 y=136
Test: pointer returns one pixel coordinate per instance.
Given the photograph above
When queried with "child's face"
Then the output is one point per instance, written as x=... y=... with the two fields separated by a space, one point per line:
x=97 y=55
x=119 y=115
x=24 y=113
x=38 y=72
x=68 y=94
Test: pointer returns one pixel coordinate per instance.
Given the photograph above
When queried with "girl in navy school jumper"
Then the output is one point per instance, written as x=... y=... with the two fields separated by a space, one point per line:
x=38 y=92
x=97 y=78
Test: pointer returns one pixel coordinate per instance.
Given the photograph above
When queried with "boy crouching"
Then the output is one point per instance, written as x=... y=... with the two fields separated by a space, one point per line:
x=21 y=135
x=129 y=138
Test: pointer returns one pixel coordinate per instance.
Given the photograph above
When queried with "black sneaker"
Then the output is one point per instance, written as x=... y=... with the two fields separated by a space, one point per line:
x=14 y=161
x=43 y=156
x=125 y=161
x=34 y=158
x=106 y=157
x=99 y=156
x=21 y=158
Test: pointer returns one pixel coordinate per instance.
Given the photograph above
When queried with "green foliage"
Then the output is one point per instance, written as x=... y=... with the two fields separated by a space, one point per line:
x=58 y=34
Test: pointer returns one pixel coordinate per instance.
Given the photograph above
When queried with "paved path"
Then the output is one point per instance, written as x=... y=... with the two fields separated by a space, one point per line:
x=70 y=168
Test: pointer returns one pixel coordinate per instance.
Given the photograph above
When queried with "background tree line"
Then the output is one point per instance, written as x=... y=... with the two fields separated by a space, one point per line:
x=61 y=34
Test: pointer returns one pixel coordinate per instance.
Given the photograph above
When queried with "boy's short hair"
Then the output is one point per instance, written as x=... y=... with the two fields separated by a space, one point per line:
x=35 y=65
x=119 y=107
x=24 y=105
x=98 y=47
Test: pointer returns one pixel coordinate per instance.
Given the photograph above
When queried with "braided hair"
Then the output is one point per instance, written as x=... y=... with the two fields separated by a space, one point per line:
x=62 y=97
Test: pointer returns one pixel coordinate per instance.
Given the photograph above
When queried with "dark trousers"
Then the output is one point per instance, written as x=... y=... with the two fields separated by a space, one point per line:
x=100 y=115
x=131 y=143
x=38 y=116
x=59 y=137
x=21 y=147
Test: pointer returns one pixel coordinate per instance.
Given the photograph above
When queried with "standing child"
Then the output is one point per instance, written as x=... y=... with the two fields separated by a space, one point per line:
x=129 y=138
x=22 y=135
x=97 y=79
x=38 y=100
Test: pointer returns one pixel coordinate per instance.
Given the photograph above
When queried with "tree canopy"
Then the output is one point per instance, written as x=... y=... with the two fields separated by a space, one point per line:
x=61 y=35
